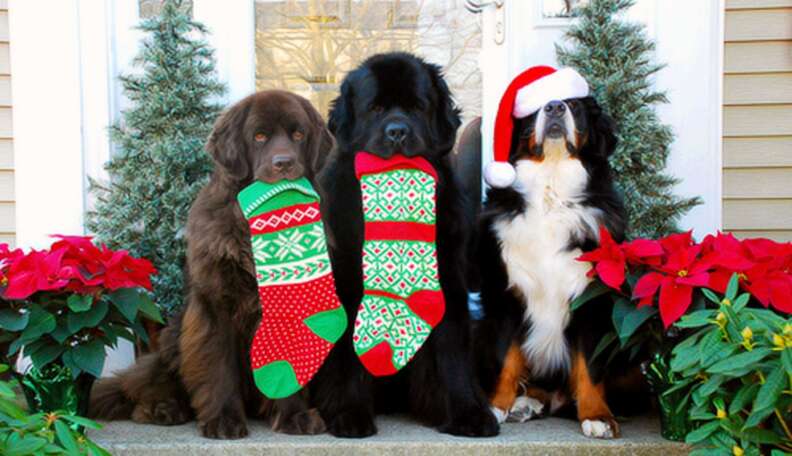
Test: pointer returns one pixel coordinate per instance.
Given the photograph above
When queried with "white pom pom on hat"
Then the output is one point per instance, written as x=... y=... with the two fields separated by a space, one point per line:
x=526 y=94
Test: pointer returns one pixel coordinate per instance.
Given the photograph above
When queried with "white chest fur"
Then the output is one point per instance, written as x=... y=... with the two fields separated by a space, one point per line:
x=534 y=248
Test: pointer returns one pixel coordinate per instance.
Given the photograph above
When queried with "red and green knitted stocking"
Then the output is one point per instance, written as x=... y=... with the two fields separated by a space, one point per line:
x=301 y=316
x=402 y=299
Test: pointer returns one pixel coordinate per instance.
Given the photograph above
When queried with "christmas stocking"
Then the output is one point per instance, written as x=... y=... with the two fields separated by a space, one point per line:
x=402 y=299
x=301 y=316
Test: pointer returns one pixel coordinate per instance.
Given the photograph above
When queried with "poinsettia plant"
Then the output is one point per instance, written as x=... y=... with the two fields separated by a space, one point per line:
x=67 y=303
x=655 y=282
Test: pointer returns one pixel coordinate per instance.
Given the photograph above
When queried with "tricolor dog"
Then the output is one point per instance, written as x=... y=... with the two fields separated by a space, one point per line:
x=551 y=189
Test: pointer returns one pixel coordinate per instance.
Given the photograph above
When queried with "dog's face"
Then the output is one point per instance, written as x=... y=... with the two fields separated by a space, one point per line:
x=270 y=136
x=395 y=103
x=575 y=128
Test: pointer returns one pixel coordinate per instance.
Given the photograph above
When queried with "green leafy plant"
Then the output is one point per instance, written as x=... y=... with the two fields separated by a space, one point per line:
x=737 y=370
x=53 y=433
x=66 y=304
x=159 y=163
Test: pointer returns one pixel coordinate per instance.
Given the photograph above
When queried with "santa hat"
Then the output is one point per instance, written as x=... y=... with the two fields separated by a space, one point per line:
x=526 y=94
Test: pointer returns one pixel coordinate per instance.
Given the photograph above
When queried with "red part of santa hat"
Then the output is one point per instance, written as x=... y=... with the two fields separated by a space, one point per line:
x=526 y=94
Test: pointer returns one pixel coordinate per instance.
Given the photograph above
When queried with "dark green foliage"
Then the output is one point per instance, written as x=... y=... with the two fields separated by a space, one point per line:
x=615 y=56
x=159 y=162
x=736 y=371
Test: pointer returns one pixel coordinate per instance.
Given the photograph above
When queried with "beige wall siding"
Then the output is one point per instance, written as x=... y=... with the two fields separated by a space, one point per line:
x=757 y=119
x=6 y=144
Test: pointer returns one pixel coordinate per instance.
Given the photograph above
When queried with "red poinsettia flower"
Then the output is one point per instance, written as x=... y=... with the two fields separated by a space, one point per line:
x=609 y=260
x=681 y=272
x=643 y=251
x=124 y=271
x=727 y=256
x=770 y=279
x=36 y=271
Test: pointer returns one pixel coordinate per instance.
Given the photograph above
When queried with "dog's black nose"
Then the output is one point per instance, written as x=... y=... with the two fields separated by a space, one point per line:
x=282 y=163
x=396 y=132
x=555 y=108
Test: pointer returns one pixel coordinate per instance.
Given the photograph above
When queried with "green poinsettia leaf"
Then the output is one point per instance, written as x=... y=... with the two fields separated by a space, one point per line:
x=46 y=355
x=712 y=384
x=90 y=357
x=149 y=309
x=627 y=318
x=127 y=301
x=88 y=319
x=24 y=444
x=12 y=320
x=68 y=361
x=41 y=322
x=79 y=303
x=606 y=340
x=593 y=290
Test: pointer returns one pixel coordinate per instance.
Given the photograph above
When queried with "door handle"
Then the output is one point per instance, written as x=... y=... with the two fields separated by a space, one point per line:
x=477 y=6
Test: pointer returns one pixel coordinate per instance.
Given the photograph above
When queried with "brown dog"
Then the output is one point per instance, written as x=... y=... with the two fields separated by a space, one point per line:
x=202 y=368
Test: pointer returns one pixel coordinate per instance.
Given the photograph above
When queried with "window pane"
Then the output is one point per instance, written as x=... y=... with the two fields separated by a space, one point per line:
x=308 y=46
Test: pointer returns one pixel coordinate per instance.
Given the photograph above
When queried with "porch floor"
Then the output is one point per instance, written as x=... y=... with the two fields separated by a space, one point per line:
x=397 y=435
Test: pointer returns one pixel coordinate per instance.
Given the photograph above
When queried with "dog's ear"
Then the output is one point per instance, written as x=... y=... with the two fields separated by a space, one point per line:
x=320 y=141
x=447 y=115
x=602 y=130
x=342 y=112
x=227 y=143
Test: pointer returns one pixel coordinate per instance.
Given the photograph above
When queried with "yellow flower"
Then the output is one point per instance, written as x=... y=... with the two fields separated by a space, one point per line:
x=778 y=341
x=721 y=317
x=737 y=451
x=721 y=414
x=787 y=328
x=726 y=302
x=747 y=334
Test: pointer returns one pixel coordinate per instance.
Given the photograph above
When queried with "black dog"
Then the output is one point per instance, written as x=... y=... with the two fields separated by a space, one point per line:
x=531 y=235
x=397 y=103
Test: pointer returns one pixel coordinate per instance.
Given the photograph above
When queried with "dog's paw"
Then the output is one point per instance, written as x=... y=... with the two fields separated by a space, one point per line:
x=352 y=424
x=478 y=422
x=600 y=428
x=307 y=422
x=500 y=414
x=224 y=427
x=524 y=409
x=163 y=413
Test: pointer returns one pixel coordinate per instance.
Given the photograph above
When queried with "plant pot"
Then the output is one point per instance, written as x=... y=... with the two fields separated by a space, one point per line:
x=674 y=422
x=52 y=388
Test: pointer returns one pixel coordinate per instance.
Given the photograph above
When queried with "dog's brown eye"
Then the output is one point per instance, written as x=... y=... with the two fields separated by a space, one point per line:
x=298 y=136
x=260 y=137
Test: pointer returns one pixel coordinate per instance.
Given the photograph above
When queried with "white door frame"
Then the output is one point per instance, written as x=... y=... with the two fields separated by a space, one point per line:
x=689 y=37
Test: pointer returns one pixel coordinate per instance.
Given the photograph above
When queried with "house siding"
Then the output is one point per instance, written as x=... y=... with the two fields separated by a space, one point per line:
x=7 y=218
x=757 y=119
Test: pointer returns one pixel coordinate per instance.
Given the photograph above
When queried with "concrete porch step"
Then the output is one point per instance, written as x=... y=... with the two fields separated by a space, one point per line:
x=397 y=435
